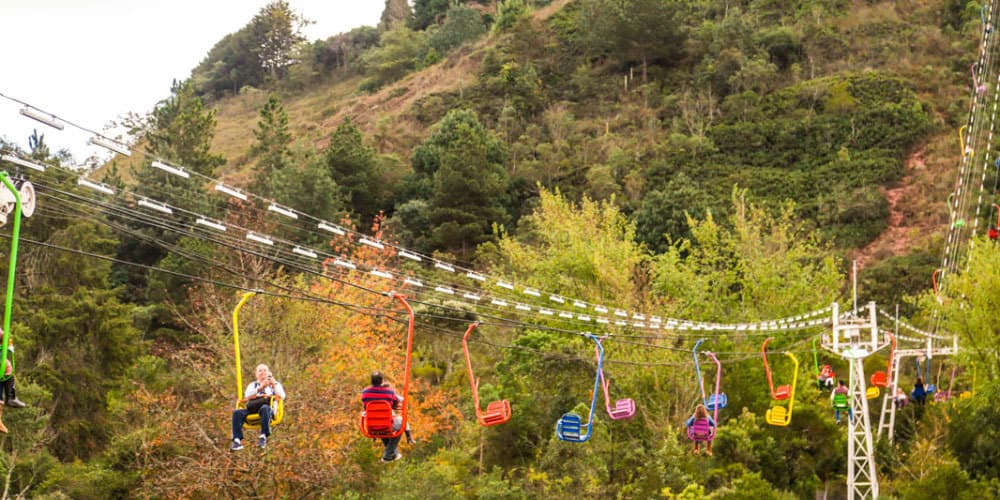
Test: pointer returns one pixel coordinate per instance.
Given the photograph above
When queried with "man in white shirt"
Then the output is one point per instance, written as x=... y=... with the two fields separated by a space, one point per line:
x=257 y=397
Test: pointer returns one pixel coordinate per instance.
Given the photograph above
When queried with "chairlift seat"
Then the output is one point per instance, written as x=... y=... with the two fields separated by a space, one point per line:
x=624 y=408
x=879 y=379
x=497 y=412
x=376 y=421
x=782 y=392
x=840 y=402
x=701 y=431
x=872 y=392
x=277 y=414
x=942 y=396
x=717 y=401
x=930 y=388
x=568 y=428
x=778 y=415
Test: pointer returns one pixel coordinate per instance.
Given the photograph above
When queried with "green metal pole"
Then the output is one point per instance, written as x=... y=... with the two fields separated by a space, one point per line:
x=10 y=271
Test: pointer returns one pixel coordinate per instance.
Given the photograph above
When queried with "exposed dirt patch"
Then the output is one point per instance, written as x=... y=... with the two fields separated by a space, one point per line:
x=903 y=232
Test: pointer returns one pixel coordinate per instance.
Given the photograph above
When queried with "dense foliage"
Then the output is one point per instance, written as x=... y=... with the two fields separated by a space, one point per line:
x=708 y=160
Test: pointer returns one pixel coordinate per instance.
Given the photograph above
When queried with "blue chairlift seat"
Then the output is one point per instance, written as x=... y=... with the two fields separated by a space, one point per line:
x=569 y=428
x=720 y=401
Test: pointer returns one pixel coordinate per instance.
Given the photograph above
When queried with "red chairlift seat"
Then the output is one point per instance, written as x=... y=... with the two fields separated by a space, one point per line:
x=497 y=412
x=376 y=421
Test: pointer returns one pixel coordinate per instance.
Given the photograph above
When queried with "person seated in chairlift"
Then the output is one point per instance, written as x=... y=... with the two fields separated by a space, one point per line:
x=701 y=413
x=379 y=390
x=7 y=386
x=900 y=399
x=842 y=389
x=919 y=394
x=257 y=397
x=826 y=377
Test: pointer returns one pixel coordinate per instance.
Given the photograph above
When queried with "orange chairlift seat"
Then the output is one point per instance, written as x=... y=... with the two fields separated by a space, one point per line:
x=497 y=412
x=782 y=392
x=881 y=379
x=376 y=419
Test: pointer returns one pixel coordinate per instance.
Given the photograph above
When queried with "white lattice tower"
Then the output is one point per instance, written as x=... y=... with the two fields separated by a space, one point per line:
x=854 y=339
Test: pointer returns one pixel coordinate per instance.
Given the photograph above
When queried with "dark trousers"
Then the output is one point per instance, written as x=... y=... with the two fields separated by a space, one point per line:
x=240 y=416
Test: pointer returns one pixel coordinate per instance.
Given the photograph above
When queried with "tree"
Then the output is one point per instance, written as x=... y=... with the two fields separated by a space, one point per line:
x=761 y=265
x=459 y=172
x=395 y=13
x=398 y=53
x=633 y=31
x=354 y=166
x=271 y=147
x=276 y=30
x=509 y=12
x=261 y=50
x=427 y=12
x=181 y=130
x=461 y=24
x=309 y=186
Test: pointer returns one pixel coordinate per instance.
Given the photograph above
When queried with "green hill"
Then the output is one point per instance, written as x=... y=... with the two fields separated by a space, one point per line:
x=713 y=163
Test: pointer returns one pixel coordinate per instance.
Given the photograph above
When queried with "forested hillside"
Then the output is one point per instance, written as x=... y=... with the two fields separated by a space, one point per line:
x=650 y=171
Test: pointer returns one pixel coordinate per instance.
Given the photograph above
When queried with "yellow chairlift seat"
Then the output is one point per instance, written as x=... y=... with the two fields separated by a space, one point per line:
x=780 y=415
x=253 y=420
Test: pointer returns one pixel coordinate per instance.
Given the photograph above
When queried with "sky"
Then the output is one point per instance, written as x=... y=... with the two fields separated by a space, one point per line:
x=92 y=61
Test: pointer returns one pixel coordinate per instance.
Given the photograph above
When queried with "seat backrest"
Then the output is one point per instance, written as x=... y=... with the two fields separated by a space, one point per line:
x=878 y=379
x=701 y=430
x=497 y=412
x=782 y=392
x=840 y=401
x=872 y=392
x=624 y=408
x=714 y=401
x=378 y=417
x=569 y=426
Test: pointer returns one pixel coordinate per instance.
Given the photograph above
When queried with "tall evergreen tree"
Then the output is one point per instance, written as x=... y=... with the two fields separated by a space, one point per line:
x=276 y=29
x=468 y=183
x=354 y=167
x=271 y=146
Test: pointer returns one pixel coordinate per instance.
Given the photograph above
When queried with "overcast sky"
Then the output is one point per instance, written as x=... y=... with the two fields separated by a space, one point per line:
x=91 y=61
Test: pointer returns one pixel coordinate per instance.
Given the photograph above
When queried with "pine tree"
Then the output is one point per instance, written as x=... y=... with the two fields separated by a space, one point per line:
x=354 y=166
x=271 y=147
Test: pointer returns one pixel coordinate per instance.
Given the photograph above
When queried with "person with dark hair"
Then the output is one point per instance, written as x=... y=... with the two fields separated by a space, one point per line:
x=919 y=394
x=841 y=400
x=381 y=391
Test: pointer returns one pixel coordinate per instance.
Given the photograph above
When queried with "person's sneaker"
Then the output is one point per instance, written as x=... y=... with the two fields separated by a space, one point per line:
x=237 y=445
x=262 y=441
x=708 y=452
x=397 y=457
x=16 y=403
x=411 y=441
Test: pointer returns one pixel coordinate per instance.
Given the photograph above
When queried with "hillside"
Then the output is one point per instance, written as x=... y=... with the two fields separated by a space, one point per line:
x=890 y=38
x=651 y=193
